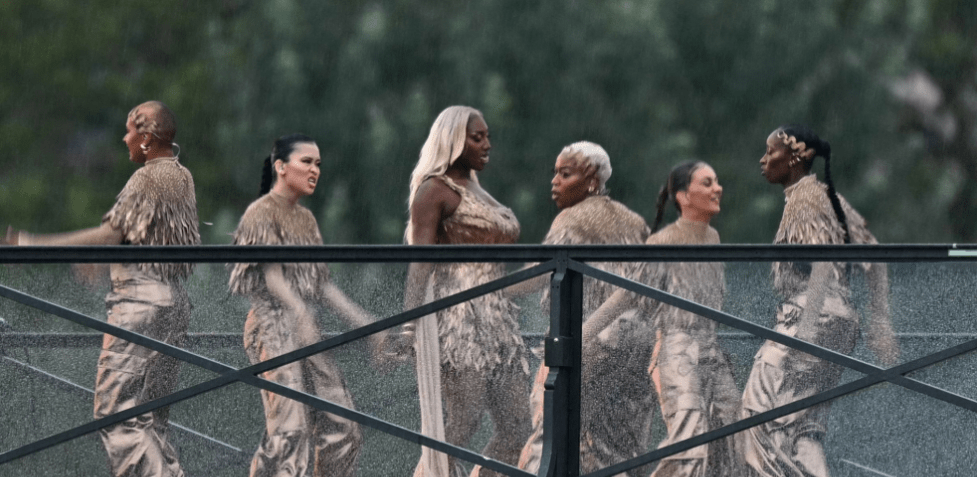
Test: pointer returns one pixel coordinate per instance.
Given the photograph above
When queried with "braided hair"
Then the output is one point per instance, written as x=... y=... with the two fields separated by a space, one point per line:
x=799 y=138
x=155 y=118
x=280 y=151
x=678 y=180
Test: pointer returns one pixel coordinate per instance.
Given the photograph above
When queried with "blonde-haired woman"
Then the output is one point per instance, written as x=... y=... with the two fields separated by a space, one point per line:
x=480 y=363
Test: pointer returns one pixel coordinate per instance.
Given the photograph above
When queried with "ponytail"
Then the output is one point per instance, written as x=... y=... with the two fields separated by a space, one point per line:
x=267 y=177
x=660 y=206
x=678 y=180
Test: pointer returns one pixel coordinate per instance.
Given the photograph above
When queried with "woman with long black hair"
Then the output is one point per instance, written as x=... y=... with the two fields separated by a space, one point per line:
x=281 y=320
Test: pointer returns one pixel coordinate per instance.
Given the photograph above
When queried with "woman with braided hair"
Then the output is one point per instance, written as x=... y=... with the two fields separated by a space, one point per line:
x=817 y=308
x=158 y=206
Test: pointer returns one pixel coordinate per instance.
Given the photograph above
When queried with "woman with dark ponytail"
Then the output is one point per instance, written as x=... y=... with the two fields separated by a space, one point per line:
x=692 y=377
x=281 y=320
x=816 y=308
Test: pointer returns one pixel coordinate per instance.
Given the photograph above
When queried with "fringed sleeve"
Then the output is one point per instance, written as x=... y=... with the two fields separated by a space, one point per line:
x=270 y=222
x=158 y=206
x=598 y=220
x=810 y=219
x=858 y=229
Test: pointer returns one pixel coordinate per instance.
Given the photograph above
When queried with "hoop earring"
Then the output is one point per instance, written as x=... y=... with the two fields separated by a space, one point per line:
x=794 y=160
x=145 y=148
x=177 y=146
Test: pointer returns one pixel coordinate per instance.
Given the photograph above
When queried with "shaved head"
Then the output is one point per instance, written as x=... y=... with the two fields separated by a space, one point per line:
x=154 y=117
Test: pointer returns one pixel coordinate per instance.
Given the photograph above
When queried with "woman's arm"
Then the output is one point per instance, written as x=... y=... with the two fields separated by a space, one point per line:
x=592 y=350
x=434 y=202
x=526 y=287
x=880 y=337
x=817 y=288
x=354 y=314
x=279 y=288
x=104 y=234
x=619 y=302
x=357 y=317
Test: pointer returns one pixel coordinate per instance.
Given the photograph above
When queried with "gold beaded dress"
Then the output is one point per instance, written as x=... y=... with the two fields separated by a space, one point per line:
x=158 y=206
x=617 y=403
x=293 y=431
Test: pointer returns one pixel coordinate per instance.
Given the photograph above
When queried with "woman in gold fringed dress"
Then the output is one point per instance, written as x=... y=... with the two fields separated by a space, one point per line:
x=692 y=376
x=282 y=320
x=817 y=308
x=158 y=206
x=617 y=410
x=473 y=355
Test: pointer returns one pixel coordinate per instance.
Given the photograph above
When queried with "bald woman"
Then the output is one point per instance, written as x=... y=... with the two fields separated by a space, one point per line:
x=158 y=206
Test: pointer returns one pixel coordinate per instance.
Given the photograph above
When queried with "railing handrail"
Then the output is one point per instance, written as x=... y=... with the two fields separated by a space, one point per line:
x=489 y=253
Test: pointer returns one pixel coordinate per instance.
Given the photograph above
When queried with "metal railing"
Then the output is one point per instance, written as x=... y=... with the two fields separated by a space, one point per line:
x=562 y=351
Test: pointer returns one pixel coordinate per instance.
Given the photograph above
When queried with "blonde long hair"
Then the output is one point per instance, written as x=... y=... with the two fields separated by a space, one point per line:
x=443 y=146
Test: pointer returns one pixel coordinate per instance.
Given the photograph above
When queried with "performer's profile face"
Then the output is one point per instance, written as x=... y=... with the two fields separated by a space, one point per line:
x=133 y=140
x=301 y=172
x=571 y=182
x=775 y=163
x=477 y=144
x=704 y=192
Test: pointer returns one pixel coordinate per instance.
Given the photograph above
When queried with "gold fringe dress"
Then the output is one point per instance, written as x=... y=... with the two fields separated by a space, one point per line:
x=616 y=405
x=781 y=374
x=691 y=373
x=483 y=357
x=293 y=431
x=158 y=206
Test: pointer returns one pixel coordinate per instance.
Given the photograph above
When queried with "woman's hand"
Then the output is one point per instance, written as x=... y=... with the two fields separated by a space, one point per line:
x=882 y=341
x=389 y=349
x=13 y=236
x=399 y=346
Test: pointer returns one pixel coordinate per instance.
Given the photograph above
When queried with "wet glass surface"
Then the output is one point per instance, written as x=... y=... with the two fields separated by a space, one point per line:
x=48 y=369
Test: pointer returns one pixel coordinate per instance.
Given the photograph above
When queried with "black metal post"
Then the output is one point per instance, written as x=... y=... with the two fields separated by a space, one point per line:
x=561 y=439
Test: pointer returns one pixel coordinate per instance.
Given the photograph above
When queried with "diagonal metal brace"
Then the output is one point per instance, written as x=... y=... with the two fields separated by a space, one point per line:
x=766 y=333
x=786 y=409
x=247 y=375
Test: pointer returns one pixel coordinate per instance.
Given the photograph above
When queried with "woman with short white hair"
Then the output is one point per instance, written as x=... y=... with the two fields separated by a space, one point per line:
x=616 y=405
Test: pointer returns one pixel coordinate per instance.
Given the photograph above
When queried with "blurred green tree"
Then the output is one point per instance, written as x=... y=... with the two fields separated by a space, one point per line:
x=654 y=82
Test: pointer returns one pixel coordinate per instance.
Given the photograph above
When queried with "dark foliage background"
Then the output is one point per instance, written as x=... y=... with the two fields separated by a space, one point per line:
x=892 y=85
